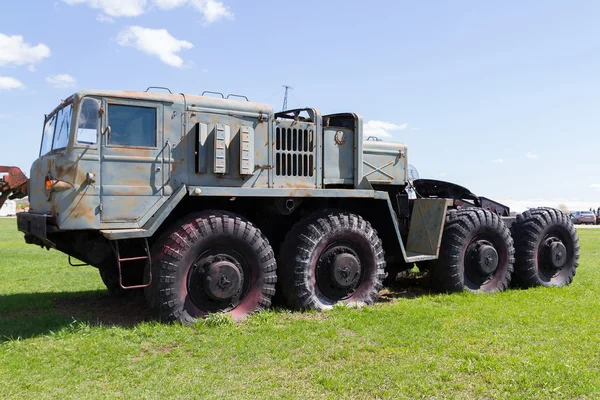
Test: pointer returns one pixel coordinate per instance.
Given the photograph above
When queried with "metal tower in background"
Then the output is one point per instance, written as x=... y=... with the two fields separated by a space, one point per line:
x=285 y=96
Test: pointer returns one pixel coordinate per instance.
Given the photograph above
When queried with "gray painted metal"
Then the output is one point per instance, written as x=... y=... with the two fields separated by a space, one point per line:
x=281 y=192
x=408 y=257
x=152 y=225
x=207 y=146
x=426 y=226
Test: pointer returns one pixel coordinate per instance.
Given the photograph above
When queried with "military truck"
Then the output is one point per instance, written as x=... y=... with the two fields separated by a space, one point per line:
x=214 y=203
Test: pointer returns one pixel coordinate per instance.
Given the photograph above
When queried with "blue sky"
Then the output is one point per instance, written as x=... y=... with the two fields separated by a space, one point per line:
x=501 y=97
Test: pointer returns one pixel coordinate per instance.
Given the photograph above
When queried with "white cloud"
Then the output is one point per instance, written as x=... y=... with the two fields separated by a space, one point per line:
x=115 y=8
x=61 y=81
x=156 y=42
x=7 y=83
x=105 y=19
x=14 y=51
x=381 y=128
x=212 y=10
x=498 y=161
x=169 y=4
x=595 y=186
x=531 y=156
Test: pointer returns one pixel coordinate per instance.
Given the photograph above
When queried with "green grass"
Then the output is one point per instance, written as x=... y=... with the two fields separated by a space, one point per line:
x=61 y=336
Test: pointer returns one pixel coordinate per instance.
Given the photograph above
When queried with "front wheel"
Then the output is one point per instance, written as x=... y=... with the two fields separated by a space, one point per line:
x=476 y=254
x=132 y=275
x=211 y=262
x=331 y=257
x=547 y=248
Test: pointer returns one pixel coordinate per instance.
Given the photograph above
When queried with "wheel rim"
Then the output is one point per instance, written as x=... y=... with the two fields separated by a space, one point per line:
x=553 y=255
x=482 y=260
x=339 y=271
x=218 y=280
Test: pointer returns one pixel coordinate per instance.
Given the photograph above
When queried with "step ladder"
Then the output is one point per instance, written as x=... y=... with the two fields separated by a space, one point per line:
x=129 y=259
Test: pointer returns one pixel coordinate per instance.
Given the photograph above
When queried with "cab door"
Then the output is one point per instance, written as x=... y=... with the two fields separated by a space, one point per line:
x=132 y=164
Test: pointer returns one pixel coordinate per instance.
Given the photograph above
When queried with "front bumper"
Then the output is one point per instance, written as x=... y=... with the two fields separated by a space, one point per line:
x=32 y=223
x=585 y=221
x=36 y=228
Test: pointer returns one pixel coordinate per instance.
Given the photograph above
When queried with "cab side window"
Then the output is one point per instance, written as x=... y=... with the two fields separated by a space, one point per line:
x=132 y=126
x=89 y=121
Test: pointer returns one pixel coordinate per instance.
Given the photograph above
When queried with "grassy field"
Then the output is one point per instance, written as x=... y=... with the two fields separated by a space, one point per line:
x=61 y=336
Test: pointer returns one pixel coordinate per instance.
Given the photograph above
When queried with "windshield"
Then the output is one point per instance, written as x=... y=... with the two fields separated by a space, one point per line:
x=56 y=130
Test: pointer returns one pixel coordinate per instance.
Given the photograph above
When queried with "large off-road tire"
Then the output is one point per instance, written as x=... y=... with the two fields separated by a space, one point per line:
x=476 y=254
x=209 y=262
x=547 y=248
x=331 y=257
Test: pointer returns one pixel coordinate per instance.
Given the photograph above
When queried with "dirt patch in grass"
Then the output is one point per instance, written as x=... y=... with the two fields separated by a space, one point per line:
x=407 y=287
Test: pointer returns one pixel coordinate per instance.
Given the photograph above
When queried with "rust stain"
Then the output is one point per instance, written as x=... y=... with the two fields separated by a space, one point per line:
x=293 y=184
x=83 y=210
x=301 y=193
x=66 y=172
x=13 y=183
x=134 y=182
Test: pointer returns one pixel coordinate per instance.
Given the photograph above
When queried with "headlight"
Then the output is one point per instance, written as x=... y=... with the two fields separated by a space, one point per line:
x=54 y=185
x=48 y=186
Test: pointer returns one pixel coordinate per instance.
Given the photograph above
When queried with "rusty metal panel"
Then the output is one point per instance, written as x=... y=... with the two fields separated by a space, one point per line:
x=132 y=178
x=296 y=141
x=13 y=184
x=384 y=162
x=426 y=226
x=295 y=150
x=284 y=192
x=202 y=156
x=246 y=150
x=151 y=224
x=338 y=156
x=190 y=154
x=222 y=139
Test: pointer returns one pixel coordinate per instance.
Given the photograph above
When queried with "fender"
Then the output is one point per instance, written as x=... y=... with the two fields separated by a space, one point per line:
x=462 y=196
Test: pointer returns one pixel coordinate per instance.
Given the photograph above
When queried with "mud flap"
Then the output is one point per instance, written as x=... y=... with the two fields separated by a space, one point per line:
x=426 y=226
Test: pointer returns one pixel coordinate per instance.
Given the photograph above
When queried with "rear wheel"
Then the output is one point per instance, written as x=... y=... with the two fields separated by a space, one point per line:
x=476 y=253
x=331 y=257
x=211 y=262
x=547 y=248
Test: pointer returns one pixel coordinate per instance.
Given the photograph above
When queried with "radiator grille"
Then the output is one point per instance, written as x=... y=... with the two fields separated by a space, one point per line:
x=294 y=152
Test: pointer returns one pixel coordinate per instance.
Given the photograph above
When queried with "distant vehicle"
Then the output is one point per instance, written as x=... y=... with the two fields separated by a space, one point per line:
x=598 y=216
x=583 y=217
